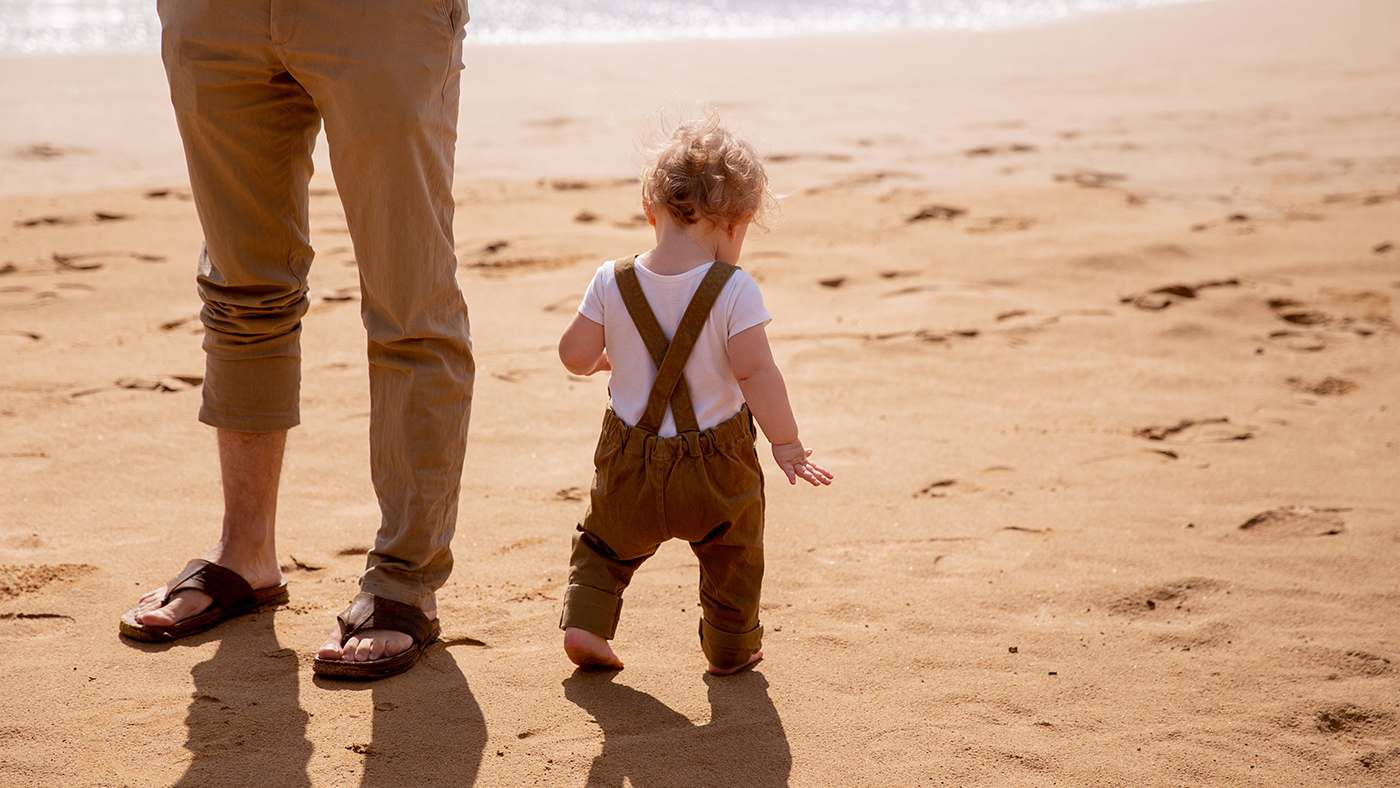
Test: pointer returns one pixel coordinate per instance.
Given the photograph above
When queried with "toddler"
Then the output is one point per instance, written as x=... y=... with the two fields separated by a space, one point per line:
x=681 y=330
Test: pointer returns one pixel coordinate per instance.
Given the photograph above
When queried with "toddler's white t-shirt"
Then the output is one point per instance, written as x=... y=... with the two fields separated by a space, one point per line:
x=713 y=389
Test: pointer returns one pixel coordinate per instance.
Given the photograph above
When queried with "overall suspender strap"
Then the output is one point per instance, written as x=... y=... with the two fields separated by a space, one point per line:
x=624 y=271
x=670 y=356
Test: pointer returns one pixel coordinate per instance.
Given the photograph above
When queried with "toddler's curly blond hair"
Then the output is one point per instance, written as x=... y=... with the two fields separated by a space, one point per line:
x=705 y=171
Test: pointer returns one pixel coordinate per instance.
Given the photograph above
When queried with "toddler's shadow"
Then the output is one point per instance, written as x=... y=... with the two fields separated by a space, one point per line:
x=653 y=746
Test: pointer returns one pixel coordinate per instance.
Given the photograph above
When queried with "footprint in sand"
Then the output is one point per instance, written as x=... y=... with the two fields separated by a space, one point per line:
x=1355 y=199
x=999 y=150
x=1162 y=297
x=33 y=625
x=20 y=580
x=60 y=221
x=633 y=222
x=190 y=322
x=178 y=194
x=1166 y=598
x=782 y=158
x=46 y=221
x=1090 y=179
x=1340 y=315
x=92 y=261
x=1296 y=521
x=1191 y=431
x=1352 y=720
x=1326 y=387
x=1362 y=312
x=927 y=335
x=161 y=383
x=43 y=151
x=341 y=295
x=938 y=213
x=570 y=494
x=947 y=488
x=1353 y=663
x=1002 y=224
x=515 y=266
x=937 y=489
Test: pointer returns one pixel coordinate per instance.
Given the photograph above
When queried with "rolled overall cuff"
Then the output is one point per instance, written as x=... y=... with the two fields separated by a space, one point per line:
x=726 y=649
x=591 y=609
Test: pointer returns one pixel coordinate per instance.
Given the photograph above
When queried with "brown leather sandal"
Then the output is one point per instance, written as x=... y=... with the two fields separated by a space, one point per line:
x=232 y=595
x=375 y=612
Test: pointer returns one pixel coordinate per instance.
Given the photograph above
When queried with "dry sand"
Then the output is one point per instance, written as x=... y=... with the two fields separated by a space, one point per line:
x=1095 y=321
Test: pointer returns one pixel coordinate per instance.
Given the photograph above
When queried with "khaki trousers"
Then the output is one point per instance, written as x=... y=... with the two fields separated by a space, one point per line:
x=251 y=82
x=703 y=487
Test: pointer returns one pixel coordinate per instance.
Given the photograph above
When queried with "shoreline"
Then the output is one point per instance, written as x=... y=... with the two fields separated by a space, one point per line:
x=754 y=36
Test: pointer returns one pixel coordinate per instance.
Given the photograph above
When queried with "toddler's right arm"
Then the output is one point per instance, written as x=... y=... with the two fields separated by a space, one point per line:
x=582 y=348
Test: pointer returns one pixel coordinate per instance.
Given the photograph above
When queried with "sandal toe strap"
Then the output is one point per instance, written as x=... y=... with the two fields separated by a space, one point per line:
x=368 y=611
x=227 y=587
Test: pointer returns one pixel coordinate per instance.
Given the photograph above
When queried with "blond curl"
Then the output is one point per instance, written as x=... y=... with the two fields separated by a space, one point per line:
x=704 y=171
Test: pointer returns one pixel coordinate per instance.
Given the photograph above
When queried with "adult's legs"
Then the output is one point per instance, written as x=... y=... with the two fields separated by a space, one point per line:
x=248 y=129
x=386 y=77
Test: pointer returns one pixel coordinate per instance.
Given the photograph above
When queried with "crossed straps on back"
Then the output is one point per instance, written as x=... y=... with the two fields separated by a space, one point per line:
x=670 y=356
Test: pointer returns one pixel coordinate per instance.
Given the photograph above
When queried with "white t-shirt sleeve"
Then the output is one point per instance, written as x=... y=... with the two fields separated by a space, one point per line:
x=592 y=306
x=746 y=306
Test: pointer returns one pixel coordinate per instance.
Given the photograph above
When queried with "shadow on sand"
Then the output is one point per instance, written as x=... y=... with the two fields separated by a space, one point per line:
x=428 y=729
x=247 y=727
x=653 y=746
x=246 y=724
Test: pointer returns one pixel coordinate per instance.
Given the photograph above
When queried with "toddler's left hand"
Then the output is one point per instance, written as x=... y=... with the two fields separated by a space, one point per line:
x=792 y=458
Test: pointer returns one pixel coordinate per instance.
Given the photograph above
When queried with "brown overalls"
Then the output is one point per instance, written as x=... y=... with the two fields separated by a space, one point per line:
x=703 y=487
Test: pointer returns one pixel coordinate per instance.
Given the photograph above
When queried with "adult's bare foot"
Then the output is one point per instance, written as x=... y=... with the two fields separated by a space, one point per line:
x=754 y=657
x=588 y=650
x=261 y=571
x=367 y=644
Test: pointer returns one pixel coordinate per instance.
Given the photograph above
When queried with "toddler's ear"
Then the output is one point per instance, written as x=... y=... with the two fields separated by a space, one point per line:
x=651 y=217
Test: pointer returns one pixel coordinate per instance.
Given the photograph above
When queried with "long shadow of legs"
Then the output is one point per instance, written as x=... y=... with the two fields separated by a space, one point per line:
x=653 y=746
x=246 y=724
x=428 y=729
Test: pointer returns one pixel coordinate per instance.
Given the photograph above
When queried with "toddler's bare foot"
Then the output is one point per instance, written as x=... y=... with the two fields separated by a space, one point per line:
x=754 y=657
x=588 y=650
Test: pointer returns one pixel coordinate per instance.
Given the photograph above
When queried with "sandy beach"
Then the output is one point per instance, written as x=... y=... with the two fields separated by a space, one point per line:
x=1094 y=321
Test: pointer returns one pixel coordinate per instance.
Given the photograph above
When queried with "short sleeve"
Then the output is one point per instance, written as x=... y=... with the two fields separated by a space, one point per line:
x=592 y=306
x=746 y=310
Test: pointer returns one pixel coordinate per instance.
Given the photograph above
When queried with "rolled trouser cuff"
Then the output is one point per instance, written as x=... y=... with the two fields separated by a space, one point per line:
x=591 y=609
x=252 y=394
x=726 y=649
x=417 y=596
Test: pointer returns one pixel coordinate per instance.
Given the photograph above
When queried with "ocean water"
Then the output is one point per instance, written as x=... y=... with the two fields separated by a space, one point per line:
x=63 y=26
